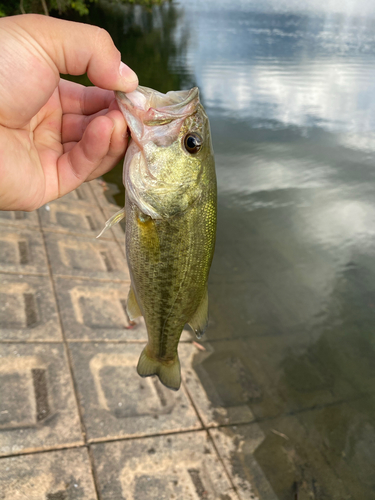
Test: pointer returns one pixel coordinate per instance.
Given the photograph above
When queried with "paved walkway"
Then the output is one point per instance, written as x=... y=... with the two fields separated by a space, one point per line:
x=76 y=421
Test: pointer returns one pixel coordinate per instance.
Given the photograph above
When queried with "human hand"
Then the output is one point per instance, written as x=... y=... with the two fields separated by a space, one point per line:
x=56 y=134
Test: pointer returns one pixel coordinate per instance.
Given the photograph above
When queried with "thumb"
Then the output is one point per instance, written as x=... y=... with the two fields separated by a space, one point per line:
x=36 y=49
x=77 y=48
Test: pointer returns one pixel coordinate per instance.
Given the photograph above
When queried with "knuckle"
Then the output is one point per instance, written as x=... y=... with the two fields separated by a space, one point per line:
x=103 y=38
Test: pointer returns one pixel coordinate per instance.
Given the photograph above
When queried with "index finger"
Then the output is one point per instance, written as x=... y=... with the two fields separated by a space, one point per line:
x=81 y=100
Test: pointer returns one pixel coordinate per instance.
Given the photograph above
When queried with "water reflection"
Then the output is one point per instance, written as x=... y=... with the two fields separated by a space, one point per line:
x=302 y=70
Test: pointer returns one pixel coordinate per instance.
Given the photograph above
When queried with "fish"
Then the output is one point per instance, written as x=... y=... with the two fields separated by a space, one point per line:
x=170 y=218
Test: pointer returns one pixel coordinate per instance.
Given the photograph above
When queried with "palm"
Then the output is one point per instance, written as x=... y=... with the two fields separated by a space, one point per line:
x=47 y=151
x=35 y=150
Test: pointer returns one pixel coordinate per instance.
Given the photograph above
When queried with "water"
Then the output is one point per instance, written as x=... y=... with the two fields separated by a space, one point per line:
x=290 y=93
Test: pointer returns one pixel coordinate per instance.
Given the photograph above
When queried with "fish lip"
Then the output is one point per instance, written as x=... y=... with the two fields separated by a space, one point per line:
x=158 y=108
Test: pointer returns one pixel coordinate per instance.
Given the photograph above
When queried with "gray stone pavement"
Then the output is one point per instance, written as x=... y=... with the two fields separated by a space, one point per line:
x=76 y=421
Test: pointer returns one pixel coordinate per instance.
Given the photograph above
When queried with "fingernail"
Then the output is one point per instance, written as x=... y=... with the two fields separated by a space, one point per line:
x=127 y=73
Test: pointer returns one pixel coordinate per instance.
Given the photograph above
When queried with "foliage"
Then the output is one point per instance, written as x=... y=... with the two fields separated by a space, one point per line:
x=9 y=7
x=12 y=7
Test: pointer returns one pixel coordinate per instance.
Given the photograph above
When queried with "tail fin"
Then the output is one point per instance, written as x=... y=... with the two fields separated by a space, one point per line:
x=169 y=375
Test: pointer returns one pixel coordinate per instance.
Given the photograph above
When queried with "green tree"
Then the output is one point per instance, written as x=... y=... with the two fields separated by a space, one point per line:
x=12 y=7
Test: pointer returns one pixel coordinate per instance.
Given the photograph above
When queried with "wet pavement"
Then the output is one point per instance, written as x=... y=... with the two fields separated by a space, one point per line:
x=76 y=421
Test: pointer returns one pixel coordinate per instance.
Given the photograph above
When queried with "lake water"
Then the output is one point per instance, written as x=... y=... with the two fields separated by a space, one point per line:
x=290 y=93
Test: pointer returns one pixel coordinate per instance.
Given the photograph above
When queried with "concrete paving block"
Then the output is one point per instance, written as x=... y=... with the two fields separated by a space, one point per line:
x=238 y=456
x=19 y=219
x=275 y=459
x=83 y=195
x=89 y=257
x=228 y=382
x=179 y=467
x=117 y=402
x=72 y=218
x=56 y=475
x=269 y=375
x=94 y=310
x=28 y=309
x=22 y=251
x=37 y=405
x=333 y=431
x=212 y=410
x=99 y=188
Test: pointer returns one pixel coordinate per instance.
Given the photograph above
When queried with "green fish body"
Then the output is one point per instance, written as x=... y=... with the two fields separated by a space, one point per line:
x=170 y=185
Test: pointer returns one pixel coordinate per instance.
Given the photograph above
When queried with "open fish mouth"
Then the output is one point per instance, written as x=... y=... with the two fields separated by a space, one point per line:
x=156 y=108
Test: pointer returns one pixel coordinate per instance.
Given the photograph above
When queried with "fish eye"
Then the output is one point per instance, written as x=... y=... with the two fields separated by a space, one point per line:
x=193 y=142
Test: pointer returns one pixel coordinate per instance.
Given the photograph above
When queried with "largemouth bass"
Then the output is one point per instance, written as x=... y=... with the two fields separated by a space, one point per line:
x=170 y=207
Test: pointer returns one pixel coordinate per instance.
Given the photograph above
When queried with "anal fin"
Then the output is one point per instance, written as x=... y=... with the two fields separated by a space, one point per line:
x=199 y=320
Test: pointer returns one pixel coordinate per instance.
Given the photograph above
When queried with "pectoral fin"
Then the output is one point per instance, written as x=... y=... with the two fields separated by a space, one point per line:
x=115 y=219
x=199 y=320
x=132 y=307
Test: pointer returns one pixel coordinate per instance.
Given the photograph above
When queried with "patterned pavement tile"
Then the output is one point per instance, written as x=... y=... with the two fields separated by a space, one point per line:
x=86 y=257
x=27 y=309
x=37 y=405
x=100 y=188
x=19 y=219
x=334 y=430
x=179 y=467
x=117 y=402
x=269 y=375
x=56 y=475
x=275 y=459
x=93 y=310
x=22 y=251
x=82 y=196
x=238 y=456
x=212 y=409
x=73 y=218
